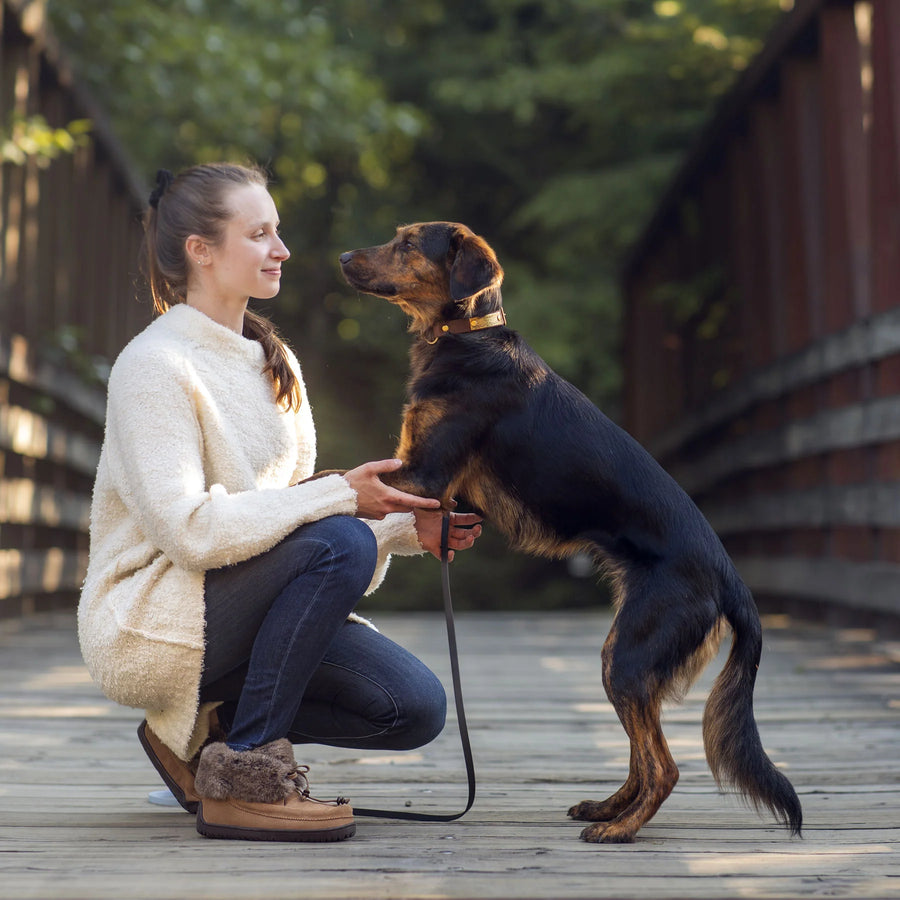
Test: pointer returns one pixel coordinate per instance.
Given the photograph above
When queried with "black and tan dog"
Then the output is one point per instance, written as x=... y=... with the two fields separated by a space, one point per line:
x=488 y=422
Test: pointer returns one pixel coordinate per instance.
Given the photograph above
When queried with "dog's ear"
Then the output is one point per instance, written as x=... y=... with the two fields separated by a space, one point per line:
x=474 y=267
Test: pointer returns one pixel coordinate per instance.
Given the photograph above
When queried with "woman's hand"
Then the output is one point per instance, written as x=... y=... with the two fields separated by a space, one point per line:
x=375 y=499
x=464 y=529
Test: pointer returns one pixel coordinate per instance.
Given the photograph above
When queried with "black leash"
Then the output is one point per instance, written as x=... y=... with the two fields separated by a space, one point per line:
x=457 y=698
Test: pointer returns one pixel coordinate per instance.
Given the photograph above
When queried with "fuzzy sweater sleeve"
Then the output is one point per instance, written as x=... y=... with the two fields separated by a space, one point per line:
x=156 y=452
x=395 y=534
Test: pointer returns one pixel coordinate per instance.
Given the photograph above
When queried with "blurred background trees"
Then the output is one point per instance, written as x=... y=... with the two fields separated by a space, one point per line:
x=548 y=126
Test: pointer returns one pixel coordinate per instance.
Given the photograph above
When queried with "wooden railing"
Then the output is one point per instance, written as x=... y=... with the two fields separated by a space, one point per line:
x=69 y=240
x=50 y=432
x=763 y=320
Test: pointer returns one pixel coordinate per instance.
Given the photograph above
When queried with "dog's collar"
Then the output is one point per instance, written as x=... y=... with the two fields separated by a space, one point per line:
x=464 y=326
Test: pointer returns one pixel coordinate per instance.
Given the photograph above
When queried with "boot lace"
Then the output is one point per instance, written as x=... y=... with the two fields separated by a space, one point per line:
x=301 y=786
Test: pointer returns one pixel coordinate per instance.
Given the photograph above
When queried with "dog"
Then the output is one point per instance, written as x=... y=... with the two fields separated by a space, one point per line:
x=488 y=422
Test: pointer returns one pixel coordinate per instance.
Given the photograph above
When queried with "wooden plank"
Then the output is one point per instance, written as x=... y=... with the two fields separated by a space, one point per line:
x=24 y=502
x=885 y=149
x=30 y=434
x=770 y=232
x=743 y=264
x=76 y=823
x=866 y=341
x=18 y=363
x=873 y=585
x=846 y=167
x=800 y=124
x=870 y=503
x=28 y=572
x=860 y=424
x=809 y=126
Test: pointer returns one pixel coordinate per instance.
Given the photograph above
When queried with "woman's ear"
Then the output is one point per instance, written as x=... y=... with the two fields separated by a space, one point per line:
x=197 y=250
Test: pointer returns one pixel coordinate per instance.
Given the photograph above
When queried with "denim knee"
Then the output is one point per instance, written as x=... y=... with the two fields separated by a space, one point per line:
x=351 y=545
x=424 y=715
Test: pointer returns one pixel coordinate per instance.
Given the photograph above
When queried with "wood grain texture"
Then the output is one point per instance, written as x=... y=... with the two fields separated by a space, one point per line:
x=75 y=821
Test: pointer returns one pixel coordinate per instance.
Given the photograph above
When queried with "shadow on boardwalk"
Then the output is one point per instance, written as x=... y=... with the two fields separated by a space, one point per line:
x=76 y=822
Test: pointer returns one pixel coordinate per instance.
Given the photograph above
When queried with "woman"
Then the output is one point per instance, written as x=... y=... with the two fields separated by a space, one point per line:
x=220 y=586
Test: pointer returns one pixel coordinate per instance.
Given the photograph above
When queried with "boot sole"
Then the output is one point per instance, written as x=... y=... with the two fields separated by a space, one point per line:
x=233 y=832
x=190 y=805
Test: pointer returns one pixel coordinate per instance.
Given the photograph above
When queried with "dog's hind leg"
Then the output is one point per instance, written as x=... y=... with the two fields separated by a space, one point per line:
x=652 y=771
x=651 y=647
x=652 y=776
x=613 y=806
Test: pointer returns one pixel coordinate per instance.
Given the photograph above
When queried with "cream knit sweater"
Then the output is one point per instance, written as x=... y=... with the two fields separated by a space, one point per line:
x=195 y=473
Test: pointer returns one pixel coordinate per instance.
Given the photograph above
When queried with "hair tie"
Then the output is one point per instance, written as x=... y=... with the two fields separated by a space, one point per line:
x=163 y=179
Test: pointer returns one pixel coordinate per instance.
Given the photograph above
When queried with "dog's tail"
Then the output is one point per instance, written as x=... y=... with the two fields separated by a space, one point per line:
x=733 y=747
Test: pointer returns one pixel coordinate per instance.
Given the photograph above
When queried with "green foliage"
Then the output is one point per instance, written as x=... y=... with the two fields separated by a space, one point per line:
x=247 y=80
x=201 y=79
x=552 y=128
x=548 y=126
x=30 y=137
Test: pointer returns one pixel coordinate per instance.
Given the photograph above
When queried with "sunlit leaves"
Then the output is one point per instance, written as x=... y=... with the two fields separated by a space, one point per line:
x=30 y=137
x=550 y=126
x=243 y=78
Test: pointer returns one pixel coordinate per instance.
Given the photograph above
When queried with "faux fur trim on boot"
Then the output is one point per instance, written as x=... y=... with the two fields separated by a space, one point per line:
x=267 y=774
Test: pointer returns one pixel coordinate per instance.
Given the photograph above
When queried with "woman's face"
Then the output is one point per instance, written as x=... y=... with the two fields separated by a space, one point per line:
x=247 y=262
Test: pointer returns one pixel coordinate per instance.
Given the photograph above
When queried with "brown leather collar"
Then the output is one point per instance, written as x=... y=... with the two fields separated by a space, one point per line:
x=463 y=326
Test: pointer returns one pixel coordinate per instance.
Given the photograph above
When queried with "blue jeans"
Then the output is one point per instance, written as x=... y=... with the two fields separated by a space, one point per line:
x=286 y=662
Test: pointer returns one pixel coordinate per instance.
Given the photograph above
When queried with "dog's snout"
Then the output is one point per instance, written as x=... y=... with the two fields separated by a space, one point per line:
x=346 y=257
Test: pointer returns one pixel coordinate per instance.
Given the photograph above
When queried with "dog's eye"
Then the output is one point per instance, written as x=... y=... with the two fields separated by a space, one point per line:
x=406 y=246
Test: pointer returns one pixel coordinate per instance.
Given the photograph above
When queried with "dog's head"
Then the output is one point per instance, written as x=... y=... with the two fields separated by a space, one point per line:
x=431 y=270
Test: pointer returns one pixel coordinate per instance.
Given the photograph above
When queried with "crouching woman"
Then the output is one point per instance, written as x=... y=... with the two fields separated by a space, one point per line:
x=221 y=585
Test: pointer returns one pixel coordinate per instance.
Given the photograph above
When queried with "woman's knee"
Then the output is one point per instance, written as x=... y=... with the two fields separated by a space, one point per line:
x=346 y=544
x=349 y=537
x=424 y=714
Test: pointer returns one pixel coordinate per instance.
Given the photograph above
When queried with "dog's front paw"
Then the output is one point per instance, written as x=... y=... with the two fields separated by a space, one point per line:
x=607 y=834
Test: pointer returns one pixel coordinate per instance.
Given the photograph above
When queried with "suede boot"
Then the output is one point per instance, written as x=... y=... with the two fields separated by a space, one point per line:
x=263 y=795
x=176 y=773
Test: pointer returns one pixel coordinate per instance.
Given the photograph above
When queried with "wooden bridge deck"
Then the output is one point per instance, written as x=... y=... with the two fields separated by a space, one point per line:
x=75 y=821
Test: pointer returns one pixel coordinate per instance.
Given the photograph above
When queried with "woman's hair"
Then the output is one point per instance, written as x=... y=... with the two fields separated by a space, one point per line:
x=195 y=202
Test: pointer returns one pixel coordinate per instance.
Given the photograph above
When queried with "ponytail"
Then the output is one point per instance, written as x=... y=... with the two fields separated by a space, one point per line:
x=163 y=293
x=287 y=385
x=193 y=202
